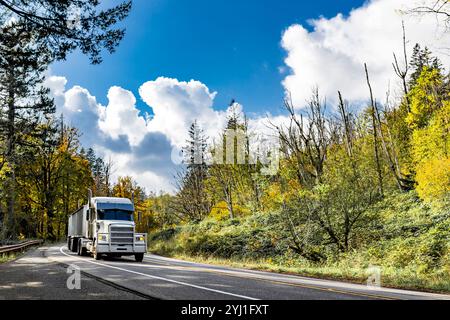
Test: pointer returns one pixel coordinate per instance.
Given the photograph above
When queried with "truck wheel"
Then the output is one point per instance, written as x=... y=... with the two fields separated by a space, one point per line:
x=74 y=244
x=82 y=251
x=97 y=256
x=139 y=257
x=80 y=248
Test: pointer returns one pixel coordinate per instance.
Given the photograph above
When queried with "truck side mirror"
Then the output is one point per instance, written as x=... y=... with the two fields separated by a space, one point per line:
x=139 y=216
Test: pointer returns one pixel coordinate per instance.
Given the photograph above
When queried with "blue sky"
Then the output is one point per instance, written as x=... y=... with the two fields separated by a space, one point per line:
x=231 y=46
x=234 y=48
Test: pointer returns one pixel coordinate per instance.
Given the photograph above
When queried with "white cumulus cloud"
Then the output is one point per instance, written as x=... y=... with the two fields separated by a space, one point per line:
x=176 y=104
x=332 y=55
x=121 y=117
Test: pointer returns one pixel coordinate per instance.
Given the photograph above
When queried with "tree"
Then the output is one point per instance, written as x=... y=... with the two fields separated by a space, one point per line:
x=229 y=155
x=65 y=25
x=429 y=120
x=306 y=140
x=192 y=201
x=438 y=8
x=402 y=73
x=426 y=96
x=126 y=187
x=101 y=173
x=24 y=102
x=55 y=178
x=373 y=115
x=420 y=59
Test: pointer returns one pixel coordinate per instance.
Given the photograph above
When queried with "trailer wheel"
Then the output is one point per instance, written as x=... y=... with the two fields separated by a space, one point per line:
x=69 y=243
x=139 y=257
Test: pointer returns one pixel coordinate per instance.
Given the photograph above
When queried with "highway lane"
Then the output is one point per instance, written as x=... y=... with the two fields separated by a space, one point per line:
x=165 y=278
x=34 y=277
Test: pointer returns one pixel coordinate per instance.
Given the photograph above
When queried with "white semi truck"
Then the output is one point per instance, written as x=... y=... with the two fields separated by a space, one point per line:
x=105 y=227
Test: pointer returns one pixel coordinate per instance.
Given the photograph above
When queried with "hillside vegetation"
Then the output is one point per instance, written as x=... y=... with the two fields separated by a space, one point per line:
x=408 y=239
x=353 y=191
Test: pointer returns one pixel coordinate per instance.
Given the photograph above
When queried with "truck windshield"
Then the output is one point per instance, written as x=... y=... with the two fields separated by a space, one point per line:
x=114 y=214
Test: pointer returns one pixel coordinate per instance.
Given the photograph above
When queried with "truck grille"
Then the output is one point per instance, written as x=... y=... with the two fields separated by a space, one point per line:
x=122 y=235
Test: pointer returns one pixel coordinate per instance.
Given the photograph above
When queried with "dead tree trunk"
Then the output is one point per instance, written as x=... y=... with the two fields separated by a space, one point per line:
x=375 y=134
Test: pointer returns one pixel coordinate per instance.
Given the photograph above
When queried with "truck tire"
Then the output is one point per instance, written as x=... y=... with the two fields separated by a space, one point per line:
x=74 y=244
x=139 y=257
x=81 y=250
x=97 y=256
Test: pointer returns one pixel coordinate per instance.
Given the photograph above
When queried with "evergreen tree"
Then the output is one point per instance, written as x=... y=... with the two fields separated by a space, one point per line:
x=24 y=102
x=422 y=58
x=192 y=200
x=65 y=25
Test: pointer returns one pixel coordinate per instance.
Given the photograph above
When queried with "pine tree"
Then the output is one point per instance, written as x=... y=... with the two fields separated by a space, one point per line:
x=420 y=59
x=192 y=200
x=24 y=102
x=65 y=25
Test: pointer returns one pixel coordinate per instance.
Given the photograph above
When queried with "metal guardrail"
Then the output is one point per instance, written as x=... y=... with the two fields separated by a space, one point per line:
x=19 y=246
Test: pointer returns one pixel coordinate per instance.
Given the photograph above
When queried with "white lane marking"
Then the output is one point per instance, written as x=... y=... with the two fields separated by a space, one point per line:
x=159 y=278
x=320 y=284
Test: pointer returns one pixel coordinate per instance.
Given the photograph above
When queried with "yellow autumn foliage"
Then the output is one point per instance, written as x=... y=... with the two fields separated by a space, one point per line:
x=433 y=179
x=430 y=139
x=423 y=98
x=433 y=141
x=220 y=211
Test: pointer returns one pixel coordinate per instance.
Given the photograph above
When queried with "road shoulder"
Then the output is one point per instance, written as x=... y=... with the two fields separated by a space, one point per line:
x=34 y=277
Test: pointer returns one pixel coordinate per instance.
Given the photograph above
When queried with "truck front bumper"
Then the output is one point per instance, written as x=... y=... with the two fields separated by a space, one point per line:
x=121 y=249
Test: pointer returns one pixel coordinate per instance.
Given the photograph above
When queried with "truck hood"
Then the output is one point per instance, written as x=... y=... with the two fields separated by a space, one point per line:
x=103 y=225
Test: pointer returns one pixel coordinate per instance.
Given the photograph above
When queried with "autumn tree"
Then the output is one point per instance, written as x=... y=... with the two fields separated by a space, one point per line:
x=127 y=187
x=24 y=102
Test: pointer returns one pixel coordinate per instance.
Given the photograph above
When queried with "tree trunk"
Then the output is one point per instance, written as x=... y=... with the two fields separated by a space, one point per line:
x=10 y=156
x=375 y=134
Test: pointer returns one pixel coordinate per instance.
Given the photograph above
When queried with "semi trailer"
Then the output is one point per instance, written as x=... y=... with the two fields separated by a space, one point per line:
x=105 y=227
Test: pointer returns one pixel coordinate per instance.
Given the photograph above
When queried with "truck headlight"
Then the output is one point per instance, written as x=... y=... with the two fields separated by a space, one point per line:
x=103 y=237
x=140 y=238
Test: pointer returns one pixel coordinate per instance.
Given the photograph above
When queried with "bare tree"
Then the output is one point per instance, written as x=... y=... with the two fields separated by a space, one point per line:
x=108 y=171
x=305 y=141
x=439 y=8
x=402 y=73
x=373 y=114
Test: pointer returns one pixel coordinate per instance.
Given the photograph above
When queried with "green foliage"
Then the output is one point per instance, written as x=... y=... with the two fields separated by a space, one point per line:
x=408 y=239
x=65 y=25
x=250 y=237
x=424 y=97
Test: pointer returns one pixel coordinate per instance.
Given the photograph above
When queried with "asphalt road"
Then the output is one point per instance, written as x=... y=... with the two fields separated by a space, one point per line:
x=164 y=278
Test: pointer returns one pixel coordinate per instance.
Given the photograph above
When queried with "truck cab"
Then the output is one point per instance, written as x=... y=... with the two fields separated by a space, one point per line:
x=107 y=229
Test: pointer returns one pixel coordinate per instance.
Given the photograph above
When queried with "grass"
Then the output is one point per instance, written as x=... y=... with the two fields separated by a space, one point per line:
x=399 y=279
x=5 y=257
x=8 y=257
